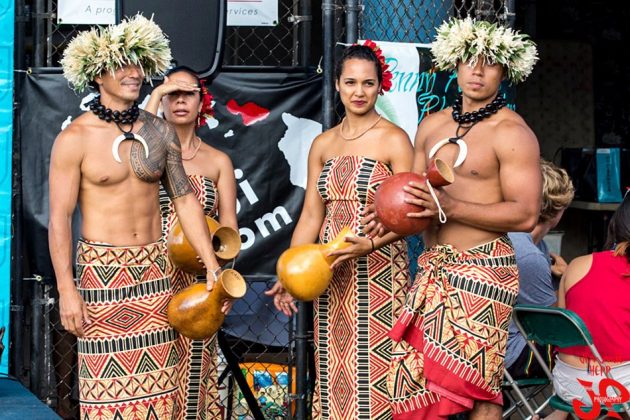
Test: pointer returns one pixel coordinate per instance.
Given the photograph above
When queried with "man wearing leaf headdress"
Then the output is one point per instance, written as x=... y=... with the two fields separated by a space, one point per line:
x=110 y=161
x=453 y=328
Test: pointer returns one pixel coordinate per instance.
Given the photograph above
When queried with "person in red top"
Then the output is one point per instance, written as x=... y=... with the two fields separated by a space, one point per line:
x=596 y=287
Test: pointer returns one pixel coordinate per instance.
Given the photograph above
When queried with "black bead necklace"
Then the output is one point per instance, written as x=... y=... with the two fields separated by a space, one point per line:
x=128 y=116
x=478 y=115
x=465 y=122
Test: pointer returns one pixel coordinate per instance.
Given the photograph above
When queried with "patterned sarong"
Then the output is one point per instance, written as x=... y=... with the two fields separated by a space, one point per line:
x=452 y=332
x=198 y=397
x=127 y=358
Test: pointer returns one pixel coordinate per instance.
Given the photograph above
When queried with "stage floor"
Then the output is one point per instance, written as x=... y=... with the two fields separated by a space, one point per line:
x=17 y=402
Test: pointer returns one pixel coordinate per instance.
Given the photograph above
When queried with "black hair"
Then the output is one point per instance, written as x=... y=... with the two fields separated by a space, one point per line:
x=360 y=52
x=619 y=227
x=185 y=69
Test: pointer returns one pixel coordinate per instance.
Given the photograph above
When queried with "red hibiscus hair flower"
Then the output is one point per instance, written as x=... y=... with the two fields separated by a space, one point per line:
x=206 y=105
x=386 y=84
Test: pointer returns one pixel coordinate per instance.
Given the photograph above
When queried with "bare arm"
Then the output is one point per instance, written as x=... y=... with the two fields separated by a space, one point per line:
x=419 y=165
x=226 y=189
x=308 y=226
x=372 y=226
x=313 y=210
x=64 y=183
x=576 y=270
x=193 y=221
x=562 y=302
x=226 y=185
x=429 y=235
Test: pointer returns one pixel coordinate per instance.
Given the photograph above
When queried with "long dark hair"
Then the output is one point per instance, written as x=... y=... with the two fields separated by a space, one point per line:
x=619 y=229
x=360 y=52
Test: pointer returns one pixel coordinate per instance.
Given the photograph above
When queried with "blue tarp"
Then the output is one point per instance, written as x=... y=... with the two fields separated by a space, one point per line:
x=6 y=143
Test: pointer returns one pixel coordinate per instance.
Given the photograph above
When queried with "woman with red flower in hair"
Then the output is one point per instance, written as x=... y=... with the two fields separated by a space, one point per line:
x=346 y=165
x=186 y=103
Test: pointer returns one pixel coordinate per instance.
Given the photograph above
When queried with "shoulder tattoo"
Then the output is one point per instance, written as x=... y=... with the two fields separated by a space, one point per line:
x=173 y=175
x=148 y=169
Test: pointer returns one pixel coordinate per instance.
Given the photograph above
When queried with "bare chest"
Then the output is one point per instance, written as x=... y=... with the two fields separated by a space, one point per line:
x=477 y=151
x=144 y=161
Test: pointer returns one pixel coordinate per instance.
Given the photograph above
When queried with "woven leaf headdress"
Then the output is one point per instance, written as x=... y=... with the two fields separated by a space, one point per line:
x=137 y=40
x=468 y=40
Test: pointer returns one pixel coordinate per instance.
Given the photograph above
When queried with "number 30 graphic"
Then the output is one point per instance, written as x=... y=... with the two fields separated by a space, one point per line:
x=622 y=396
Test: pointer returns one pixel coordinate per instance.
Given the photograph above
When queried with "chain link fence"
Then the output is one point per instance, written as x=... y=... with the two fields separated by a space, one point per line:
x=266 y=46
x=416 y=21
x=277 y=45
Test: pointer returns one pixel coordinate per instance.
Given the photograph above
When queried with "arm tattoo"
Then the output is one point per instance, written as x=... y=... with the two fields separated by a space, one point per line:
x=148 y=169
x=174 y=178
x=165 y=161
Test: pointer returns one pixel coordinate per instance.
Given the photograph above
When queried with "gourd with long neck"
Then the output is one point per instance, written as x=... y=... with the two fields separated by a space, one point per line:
x=304 y=270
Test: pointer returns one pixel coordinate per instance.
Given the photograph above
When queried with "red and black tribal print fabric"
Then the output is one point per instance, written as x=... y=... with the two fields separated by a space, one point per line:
x=128 y=357
x=452 y=331
x=198 y=396
x=354 y=315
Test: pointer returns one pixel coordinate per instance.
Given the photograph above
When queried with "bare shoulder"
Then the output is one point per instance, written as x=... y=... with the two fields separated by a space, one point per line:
x=577 y=269
x=328 y=135
x=322 y=142
x=217 y=156
x=513 y=126
x=78 y=126
x=159 y=124
x=390 y=133
x=513 y=137
x=436 y=119
x=71 y=139
x=431 y=123
x=394 y=146
x=152 y=119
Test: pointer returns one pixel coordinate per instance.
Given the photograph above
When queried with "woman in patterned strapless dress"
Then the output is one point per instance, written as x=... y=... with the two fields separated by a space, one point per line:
x=211 y=175
x=352 y=318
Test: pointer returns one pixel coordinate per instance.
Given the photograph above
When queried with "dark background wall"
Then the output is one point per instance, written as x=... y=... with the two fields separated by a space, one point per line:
x=578 y=93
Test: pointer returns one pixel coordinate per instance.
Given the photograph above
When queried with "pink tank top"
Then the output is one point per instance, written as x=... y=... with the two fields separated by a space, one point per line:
x=602 y=300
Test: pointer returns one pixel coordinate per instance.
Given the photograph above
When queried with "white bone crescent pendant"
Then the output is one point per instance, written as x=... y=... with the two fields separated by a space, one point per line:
x=128 y=136
x=463 y=149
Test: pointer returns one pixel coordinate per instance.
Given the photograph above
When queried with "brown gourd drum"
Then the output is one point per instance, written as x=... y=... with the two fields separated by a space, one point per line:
x=196 y=313
x=389 y=199
x=304 y=270
x=226 y=243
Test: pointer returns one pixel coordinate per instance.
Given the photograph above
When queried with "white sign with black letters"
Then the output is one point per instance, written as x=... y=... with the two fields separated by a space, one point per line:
x=252 y=12
x=86 y=12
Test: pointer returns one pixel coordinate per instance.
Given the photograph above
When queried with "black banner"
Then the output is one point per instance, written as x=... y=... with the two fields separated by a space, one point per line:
x=264 y=121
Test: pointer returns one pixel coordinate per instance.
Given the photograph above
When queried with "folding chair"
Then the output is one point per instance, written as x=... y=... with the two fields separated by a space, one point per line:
x=526 y=390
x=562 y=328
